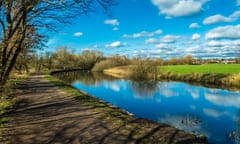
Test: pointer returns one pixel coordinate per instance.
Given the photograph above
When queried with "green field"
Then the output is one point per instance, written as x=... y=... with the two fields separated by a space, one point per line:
x=206 y=68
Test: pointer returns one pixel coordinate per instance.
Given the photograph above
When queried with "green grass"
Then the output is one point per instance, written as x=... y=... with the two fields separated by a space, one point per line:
x=5 y=100
x=206 y=68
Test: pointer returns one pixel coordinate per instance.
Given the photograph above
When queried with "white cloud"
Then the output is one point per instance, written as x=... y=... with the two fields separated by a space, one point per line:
x=158 y=31
x=116 y=44
x=196 y=36
x=220 y=18
x=91 y=48
x=113 y=22
x=143 y=34
x=178 y=8
x=194 y=25
x=224 y=32
x=213 y=49
x=216 y=19
x=115 y=29
x=227 y=45
x=51 y=42
x=95 y=46
x=214 y=43
x=78 y=34
x=170 y=38
x=235 y=15
x=162 y=46
x=151 y=41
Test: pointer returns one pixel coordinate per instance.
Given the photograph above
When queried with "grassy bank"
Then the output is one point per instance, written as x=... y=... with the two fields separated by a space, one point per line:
x=208 y=79
x=222 y=75
x=217 y=75
x=203 y=69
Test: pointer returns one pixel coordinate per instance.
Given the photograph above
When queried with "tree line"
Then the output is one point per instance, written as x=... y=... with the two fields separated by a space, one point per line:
x=66 y=59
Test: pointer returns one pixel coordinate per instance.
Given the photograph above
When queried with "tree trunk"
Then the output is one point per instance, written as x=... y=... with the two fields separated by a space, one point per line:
x=26 y=67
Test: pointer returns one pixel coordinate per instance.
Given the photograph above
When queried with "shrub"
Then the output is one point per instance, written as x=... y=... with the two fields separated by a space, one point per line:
x=110 y=63
x=144 y=69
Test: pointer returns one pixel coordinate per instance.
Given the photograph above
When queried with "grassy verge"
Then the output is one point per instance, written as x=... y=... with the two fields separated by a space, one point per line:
x=7 y=99
x=221 y=75
x=202 y=69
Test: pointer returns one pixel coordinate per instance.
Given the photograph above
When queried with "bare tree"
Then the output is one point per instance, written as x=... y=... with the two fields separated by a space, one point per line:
x=17 y=16
x=32 y=41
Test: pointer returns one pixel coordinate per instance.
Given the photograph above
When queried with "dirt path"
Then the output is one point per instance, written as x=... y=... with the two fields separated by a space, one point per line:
x=44 y=114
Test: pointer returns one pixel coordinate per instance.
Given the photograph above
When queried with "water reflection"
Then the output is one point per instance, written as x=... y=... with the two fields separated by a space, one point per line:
x=214 y=113
x=86 y=77
x=185 y=122
x=144 y=89
x=168 y=91
x=223 y=98
x=191 y=121
x=235 y=134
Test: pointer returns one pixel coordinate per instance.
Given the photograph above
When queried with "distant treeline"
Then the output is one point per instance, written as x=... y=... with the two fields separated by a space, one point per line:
x=63 y=58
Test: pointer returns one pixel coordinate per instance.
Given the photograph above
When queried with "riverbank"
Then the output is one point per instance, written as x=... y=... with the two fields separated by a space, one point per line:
x=49 y=111
x=200 y=74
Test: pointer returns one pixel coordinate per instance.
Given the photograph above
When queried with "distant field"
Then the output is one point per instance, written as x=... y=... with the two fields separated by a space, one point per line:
x=206 y=68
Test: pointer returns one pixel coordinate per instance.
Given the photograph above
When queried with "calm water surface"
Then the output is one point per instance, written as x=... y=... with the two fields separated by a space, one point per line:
x=200 y=110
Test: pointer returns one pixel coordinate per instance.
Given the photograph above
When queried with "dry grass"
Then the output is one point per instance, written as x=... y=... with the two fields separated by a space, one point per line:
x=234 y=79
x=110 y=63
x=120 y=72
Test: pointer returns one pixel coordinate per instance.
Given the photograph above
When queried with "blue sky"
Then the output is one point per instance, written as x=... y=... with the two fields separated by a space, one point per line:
x=157 y=28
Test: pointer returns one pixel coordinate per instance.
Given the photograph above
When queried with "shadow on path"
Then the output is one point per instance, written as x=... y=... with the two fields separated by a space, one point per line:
x=44 y=114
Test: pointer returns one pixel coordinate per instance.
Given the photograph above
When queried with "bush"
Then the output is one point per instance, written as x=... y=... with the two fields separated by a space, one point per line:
x=144 y=69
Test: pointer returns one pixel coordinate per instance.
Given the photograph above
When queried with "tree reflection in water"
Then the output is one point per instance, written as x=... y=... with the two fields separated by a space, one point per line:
x=86 y=77
x=235 y=135
x=191 y=121
x=144 y=89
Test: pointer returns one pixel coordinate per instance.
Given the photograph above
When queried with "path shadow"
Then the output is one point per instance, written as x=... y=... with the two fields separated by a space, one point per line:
x=45 y=115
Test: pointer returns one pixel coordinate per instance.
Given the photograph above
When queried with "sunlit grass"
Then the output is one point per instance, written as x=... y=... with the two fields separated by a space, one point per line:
x=206 y=68
x=6 y=100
